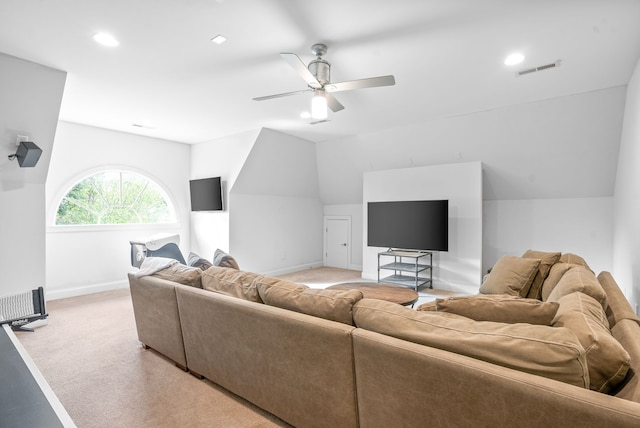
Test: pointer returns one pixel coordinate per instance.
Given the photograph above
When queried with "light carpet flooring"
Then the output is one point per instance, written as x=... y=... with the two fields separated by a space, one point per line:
x=90 y=355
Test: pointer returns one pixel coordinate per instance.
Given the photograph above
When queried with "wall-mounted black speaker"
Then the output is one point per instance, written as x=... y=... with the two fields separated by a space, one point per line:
x=28 y=154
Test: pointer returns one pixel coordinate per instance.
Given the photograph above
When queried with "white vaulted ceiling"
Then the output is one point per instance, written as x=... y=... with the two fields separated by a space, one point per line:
x=452 y=86
x=446 y=55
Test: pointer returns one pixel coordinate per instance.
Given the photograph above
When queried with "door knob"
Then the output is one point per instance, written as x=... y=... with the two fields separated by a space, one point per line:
x=344 y=245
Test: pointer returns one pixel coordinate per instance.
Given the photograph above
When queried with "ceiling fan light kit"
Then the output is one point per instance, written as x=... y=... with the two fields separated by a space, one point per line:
x=317 y=75
x=319 y=105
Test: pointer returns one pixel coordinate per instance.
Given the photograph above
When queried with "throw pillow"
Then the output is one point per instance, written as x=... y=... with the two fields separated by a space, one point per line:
x=334 y=305
x=607 y=360
x=428 y=306
x=264 y=283
x=551 y=352
x=199 y=262
x=579 y=278
x=546 y=261
x=556 y=273
x=511 y=275
x=151 y=265
x=232 y=282
x=222 y=259
x=181 y=274
x=499 y=308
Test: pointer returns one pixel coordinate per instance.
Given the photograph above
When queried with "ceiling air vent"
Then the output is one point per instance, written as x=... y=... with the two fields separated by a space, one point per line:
x=319 y=121
x=538 y=68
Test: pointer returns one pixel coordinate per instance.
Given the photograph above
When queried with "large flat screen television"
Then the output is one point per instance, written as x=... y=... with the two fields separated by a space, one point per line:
x=409 y=225
x=206 y=194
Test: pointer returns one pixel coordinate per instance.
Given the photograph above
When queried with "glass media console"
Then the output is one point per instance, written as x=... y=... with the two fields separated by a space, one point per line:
x=410 y=268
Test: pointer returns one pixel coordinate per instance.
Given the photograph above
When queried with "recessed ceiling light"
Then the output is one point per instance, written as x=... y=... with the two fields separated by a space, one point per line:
x=106 y=39
x=219 y=39
x=514 y=58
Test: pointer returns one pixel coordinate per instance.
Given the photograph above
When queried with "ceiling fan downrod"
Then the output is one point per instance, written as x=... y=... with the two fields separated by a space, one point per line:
x=320 y=68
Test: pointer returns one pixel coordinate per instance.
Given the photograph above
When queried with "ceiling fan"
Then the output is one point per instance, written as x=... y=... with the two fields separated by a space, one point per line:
x=317 y=76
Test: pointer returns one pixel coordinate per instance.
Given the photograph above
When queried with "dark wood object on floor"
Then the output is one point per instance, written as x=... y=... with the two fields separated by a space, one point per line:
x=374 y=290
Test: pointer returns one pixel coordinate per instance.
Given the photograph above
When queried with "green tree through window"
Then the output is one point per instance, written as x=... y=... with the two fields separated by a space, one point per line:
x=114 y=197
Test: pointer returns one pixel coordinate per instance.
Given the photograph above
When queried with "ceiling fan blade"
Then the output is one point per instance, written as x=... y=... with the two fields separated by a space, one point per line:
x=333 y=103
x=360 y=84
x=294 y=61
x=285 y=94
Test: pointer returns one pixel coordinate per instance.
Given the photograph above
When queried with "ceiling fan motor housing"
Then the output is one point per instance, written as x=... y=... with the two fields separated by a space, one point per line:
x=321 y=69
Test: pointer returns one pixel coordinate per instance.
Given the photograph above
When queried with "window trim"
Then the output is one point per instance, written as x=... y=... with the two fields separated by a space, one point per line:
x=69 y=184
x=79 y=228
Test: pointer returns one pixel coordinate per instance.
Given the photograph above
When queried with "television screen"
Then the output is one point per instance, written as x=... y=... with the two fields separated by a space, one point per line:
x=206 y=194
x=409 y=225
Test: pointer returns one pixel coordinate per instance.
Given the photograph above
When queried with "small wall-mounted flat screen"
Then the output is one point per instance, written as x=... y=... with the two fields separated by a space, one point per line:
x=206 y=194
x=409 y=225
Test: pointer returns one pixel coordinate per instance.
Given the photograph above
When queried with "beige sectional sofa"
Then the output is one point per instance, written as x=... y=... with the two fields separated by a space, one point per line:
x=321 y=358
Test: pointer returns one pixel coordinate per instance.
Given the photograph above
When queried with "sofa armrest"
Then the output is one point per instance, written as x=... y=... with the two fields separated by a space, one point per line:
x=155 y=308
x=618 y=308
x=400 y=383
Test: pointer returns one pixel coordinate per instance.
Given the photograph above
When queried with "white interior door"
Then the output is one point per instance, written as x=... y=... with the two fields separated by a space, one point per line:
x=337 y=239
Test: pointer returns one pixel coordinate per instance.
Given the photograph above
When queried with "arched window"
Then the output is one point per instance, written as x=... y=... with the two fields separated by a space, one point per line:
x=115 y=197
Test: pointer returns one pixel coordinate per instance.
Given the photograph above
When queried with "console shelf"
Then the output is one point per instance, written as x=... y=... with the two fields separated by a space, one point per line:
x=407 y=274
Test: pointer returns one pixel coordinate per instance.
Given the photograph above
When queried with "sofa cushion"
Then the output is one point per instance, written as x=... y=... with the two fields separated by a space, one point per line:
x=267 y=281
x=199 y=262
x=511 y=275
x=181 y=274
x=607 y=360
x=232 y=282
x=574 y=260
x=222 y=259
x=547 y=259
x=556 y=273
x=498 y=308
x=546 y=351
x=579 y=278
x=334 y=305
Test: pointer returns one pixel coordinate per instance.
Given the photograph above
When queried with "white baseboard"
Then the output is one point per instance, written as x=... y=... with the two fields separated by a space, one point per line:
x=88 y=289
x=370 y=275
x=297 y=268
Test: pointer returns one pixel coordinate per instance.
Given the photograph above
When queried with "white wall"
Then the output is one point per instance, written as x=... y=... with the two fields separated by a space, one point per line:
x=626 y=247
x=82 y=259
x=581 y=226
x=556 y=154
x=30 y=97
x=275 y=221
x=222 y=158
x=458 y=269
